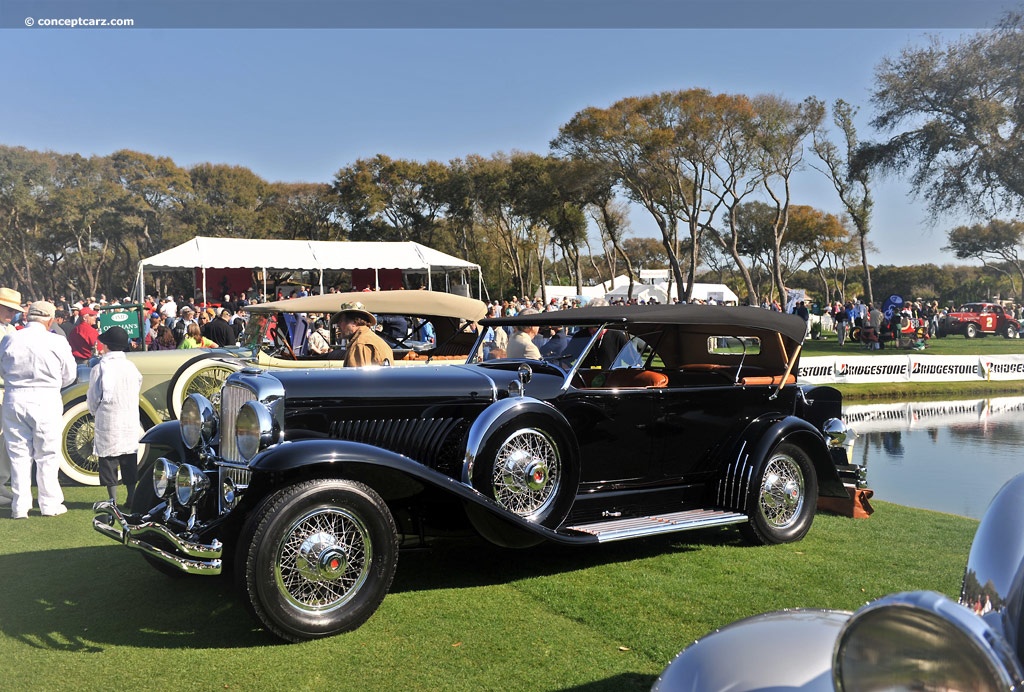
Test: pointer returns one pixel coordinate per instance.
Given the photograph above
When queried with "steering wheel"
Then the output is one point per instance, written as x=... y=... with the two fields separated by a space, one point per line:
x=282 y=347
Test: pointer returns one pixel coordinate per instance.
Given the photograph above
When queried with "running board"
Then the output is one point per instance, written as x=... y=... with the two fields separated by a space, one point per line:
x=635 y=527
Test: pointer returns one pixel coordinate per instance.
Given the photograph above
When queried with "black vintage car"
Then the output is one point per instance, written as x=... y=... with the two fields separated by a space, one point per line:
x=644 y=420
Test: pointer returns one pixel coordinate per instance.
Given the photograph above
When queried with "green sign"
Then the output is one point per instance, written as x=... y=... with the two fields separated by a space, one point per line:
x=127 y=317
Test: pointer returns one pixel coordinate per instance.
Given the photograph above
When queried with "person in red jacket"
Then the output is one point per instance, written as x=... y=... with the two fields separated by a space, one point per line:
x=84 y=336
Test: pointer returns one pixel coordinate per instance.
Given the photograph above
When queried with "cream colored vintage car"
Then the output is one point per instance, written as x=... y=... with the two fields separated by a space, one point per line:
x=168 y=377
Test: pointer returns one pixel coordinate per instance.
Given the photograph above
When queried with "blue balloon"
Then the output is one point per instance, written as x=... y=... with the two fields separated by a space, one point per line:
x=892 y=306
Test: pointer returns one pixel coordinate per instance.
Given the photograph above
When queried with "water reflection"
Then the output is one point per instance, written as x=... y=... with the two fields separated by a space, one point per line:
x=950 y=456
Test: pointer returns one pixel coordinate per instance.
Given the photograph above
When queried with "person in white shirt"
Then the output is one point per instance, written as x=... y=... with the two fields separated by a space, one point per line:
x=10 y=305
x=521 y=344
x=169 y=309
x=113 y=399
x=35 y=364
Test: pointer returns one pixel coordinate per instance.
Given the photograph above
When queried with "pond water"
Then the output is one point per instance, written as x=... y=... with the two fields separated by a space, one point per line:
x=949 y=456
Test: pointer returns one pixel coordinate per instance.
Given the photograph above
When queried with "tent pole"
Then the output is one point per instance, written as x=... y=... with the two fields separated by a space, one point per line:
x=264 y=284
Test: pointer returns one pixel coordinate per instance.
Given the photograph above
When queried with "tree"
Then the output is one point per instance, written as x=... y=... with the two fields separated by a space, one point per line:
x=86 y=225
x=644 y=253
x=823 y=240
x=392 y=199
x=961 y=103
x=735 y=175
x=751 y=236
x=26 y=183
x=660 y=147
x=999 y=241
x=305 y=211
x=501 y=218
x=157 y=189
x=227 y=201
x=781 y=130
x=851 y=181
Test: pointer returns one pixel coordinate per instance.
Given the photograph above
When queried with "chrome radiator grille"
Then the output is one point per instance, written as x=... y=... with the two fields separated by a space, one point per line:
x=240 y=477
x=231 y=398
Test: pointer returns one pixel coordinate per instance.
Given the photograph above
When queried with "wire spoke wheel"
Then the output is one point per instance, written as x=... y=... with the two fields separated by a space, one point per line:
x=318 y=558
x=202 y=375
x=782 y=491
x=527 y=473
x=323 y=559
x=208 y=382
x=783 y=497
x=78 y=458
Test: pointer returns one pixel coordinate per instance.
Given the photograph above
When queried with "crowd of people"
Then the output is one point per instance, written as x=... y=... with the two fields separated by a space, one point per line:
x=168 y=323
x=42 y=343
x=876 y=329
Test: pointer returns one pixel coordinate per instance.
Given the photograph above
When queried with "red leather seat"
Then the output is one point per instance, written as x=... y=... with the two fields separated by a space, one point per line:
x=633 y=379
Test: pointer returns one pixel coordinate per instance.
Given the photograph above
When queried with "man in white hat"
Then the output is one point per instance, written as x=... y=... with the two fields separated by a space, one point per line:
x=356 y=323
x=35 y=364
x=169 y=309
x=10 y=305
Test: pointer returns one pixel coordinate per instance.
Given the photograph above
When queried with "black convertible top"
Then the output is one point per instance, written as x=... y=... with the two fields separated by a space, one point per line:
x=730 y=318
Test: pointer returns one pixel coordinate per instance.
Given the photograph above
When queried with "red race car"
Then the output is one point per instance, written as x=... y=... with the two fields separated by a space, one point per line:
x=977 y=319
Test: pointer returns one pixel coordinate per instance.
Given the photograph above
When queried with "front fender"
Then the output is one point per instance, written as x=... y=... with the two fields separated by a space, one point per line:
x=499 y=413
x=73 y=392
x=994 y=577
x=166 y=434
x=756 y=443
x=392 y=475
x=745 y=656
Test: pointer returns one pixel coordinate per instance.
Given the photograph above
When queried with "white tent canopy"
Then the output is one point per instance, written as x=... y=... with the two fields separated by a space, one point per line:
x=231 y=253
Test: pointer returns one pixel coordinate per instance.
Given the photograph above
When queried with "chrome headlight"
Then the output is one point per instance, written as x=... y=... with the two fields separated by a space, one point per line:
x=189 y=484
x=921 y=641
x=254 y=429
x=164 y=472
x=198 y=421
x=836 y=432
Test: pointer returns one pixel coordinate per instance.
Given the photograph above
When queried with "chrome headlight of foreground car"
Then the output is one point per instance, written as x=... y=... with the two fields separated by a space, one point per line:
x=836 y=432
x=164 y=472
x=254 y=429
x=198 y=421
x=189 y=484
x=921 y=641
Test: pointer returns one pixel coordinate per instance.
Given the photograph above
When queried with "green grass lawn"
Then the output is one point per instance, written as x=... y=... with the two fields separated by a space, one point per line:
x=948 y=346
x=79 y=612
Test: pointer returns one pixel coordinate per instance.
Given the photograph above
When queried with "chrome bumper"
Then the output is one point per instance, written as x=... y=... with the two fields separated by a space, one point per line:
x=190 y=557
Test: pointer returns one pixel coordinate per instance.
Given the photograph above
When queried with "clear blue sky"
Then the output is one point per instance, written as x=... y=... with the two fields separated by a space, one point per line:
x=297 y=105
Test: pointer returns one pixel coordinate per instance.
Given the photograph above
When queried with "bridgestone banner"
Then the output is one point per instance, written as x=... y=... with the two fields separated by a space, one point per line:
x=909 y=368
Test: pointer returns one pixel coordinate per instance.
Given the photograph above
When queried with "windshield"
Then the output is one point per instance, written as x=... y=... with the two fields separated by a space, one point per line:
x=597 y=346
x=252 y=337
